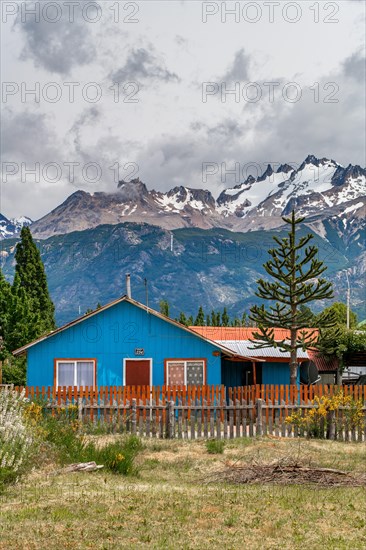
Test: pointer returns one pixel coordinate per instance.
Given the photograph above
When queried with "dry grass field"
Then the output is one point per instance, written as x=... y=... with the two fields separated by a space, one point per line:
x=170 y=503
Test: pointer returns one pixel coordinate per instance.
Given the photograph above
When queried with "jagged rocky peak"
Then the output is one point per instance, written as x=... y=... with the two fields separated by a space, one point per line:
x=266 y=174
x=75 y=200
x=342 y=174
x=250 y=179
x=312 y=159
x=179 y=191
x=123 y=182
x=284 y=169
x=191 y=197
x=132 y=190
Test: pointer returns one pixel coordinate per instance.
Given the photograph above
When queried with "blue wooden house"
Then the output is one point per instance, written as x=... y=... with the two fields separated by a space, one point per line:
x=127 y=343
x=124 y=343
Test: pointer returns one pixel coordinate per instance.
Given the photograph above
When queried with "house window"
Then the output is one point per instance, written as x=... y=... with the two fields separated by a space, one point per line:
x=185 y=373
x=75 y=372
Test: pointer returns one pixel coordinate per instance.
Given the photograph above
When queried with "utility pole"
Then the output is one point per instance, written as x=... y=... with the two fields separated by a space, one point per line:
x=147 y=294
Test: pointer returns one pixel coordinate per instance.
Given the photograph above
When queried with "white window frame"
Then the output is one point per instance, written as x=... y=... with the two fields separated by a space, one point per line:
x=185 y=361
x=75 y=361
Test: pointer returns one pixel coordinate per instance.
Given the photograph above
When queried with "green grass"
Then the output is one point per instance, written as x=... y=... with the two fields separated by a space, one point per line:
x=215 y=446
x=117 y=454
x=169 y=504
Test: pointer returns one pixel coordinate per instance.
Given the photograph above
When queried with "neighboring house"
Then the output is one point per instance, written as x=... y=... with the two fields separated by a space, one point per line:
x=125 y=343
x=327 y=368
x=274 y=365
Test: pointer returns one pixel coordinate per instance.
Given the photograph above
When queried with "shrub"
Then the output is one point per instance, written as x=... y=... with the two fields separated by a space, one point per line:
x=316 y=419
x=16 y=437
x=215 y=446
x=117 y=457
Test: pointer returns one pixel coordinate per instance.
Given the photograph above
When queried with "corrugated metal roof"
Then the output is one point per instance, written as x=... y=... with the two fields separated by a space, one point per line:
x=243 y=347
x=239 y=333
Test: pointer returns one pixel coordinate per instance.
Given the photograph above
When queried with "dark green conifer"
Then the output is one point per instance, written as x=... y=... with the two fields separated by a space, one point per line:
x=225 y=318
x=32 y=278
x=5 y=290
x=182 y=319
x=200 y=319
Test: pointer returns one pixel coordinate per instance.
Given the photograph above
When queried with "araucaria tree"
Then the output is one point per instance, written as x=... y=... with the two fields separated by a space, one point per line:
x=296 y=281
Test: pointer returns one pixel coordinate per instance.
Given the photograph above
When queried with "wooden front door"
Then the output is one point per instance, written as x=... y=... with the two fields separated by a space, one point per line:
x=137 y=372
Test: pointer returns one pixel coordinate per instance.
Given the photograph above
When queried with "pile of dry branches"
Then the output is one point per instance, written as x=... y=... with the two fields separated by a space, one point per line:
x=285 y=472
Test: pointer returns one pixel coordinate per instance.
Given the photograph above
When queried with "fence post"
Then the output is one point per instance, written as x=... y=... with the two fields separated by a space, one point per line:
x=133 y=416
x=170 y=430
x=80 y=411
x=331 y=425
x=259 y=412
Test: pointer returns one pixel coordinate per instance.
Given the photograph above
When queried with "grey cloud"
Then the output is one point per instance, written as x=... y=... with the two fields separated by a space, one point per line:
x=228 y=127
x=355 y=66
x=87 y=117
x=59 y=46
x=180 y=40
x=28 y=137
x=239 y=68
x=142 y=64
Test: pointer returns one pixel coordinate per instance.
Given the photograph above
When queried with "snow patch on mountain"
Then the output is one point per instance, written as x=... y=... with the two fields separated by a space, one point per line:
x=353 y=207
x=11 y=228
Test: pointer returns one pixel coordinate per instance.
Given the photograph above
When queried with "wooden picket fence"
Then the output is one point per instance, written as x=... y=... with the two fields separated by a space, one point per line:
x=204 y=411
x=289 y=394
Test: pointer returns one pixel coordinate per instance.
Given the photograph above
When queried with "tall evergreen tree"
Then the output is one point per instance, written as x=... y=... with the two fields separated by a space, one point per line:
x=182 y=319
x=225 y=318
x=218 y=319
x=24 y=320
x=30 y=270
x=5 y=290
x=164 y=307
x=213 y=318
x=200 y=319
x=297 y=281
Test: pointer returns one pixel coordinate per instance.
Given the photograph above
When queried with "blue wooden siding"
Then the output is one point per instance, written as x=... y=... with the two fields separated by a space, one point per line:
x=276 y=373
x=111 y=336
x=233 y=373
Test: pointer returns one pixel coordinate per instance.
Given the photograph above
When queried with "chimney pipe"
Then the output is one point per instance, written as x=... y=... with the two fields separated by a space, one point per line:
x=128 y=285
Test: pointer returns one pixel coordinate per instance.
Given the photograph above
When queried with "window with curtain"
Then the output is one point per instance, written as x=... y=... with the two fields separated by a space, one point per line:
x=75 y=373
x=185 y=373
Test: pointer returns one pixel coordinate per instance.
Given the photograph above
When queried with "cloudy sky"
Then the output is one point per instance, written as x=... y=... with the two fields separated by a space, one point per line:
x=96 y=92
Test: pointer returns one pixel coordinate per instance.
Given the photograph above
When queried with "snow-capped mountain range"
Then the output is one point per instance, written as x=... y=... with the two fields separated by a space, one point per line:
x=318 y=189
x=11 y=228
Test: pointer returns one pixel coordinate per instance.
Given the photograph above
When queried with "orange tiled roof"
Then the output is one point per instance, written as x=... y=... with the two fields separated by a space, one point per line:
x=237 y=333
